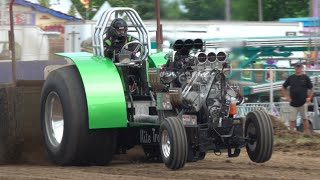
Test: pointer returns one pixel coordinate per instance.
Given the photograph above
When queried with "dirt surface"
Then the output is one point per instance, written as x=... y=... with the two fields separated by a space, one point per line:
x=296 y=156
x=302 y=164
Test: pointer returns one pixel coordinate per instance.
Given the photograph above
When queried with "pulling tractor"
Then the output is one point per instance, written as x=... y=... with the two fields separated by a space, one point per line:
x=88 y=113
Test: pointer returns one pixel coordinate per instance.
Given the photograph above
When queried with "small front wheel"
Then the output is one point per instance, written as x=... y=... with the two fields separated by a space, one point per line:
x=259 y=131
x=173 y=143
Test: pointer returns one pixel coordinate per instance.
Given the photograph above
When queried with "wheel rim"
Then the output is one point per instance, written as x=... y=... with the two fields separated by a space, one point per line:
x=165 y=144
x=54 y=121
x=251 y=134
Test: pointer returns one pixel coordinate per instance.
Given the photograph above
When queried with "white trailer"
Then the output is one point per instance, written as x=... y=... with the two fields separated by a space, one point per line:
x=223 y=29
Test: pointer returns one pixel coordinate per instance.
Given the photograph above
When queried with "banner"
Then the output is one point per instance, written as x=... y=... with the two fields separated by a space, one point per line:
x=19 y=18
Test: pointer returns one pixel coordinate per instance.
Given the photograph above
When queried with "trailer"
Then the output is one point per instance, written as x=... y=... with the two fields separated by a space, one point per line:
x=78 y=34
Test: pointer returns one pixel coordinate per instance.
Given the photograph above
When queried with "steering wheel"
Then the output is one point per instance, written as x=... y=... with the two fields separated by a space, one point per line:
x=134 y=49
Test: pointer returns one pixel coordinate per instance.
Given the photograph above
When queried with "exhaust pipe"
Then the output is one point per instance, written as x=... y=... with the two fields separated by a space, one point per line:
x=212 y=57
x=178 y=45
x=188 y=44
x=198 y=44
x=182 y=47
x=221 y=56
x=201 y=57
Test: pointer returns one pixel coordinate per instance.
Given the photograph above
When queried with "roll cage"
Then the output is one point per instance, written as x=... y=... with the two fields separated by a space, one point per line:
x=136 y=28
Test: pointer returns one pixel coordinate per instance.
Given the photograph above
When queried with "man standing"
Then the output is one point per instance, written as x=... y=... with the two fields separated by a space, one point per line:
x=299 y=84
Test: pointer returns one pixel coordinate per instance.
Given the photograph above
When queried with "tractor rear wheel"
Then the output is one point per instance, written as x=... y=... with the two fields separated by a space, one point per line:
x=64 y=120
x=259 y=131
x=173 y=143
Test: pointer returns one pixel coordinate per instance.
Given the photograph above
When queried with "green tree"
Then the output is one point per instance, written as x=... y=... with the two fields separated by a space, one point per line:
x=244 y=10
x=208 y=9
x=45 y=3
x=272 y=9
x=79 y=6
x=170 y=10
x=204 y=9
x=72 y=10
x=146 y=9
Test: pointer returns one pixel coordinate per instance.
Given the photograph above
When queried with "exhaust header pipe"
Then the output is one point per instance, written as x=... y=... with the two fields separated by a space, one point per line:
x=212 y=57
x=198 y=44
x=178 y=45
x=221 y=56
x=187 y=44
x=201 y=57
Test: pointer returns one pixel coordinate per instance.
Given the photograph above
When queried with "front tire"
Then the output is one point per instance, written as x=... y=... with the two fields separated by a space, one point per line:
x=173 y=143
x=259 y=131
x=64 y=120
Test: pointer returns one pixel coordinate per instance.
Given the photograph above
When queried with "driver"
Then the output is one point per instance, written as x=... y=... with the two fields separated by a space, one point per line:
x=116 y=38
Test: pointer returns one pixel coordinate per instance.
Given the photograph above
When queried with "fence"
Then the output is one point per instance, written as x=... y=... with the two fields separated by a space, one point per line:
x=279 y=109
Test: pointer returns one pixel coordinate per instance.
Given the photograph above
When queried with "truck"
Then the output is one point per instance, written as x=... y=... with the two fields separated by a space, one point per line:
x=88 y=113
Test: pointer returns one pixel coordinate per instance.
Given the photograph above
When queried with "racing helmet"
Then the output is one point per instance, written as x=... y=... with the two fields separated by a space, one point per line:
x=118 y=28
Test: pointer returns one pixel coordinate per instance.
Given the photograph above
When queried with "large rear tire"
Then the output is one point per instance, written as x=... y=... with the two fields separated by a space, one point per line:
x=173 y=143
x=259 y=131
x=64 y=120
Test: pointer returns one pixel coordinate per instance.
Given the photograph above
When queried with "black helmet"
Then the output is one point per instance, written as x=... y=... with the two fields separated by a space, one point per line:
x=118 y=28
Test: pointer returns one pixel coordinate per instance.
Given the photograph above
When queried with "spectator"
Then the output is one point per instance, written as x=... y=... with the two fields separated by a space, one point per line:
x=299 y=84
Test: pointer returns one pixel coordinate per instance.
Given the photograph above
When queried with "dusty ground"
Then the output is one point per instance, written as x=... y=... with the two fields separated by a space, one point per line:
x=296 y=156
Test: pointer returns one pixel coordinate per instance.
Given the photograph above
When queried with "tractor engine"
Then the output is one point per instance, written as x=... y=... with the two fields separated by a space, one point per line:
x=194 y=79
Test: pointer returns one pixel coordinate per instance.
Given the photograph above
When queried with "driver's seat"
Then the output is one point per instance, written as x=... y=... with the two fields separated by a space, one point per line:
x=135 y=83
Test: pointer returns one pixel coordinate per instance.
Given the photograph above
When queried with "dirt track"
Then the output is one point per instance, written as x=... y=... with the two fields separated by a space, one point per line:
x=283 y=165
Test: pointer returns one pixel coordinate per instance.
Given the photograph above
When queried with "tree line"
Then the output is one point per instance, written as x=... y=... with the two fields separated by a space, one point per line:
x=240 y=10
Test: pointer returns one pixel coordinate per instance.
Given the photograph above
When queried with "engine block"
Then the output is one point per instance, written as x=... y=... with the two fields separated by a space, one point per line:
x=195 y=79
